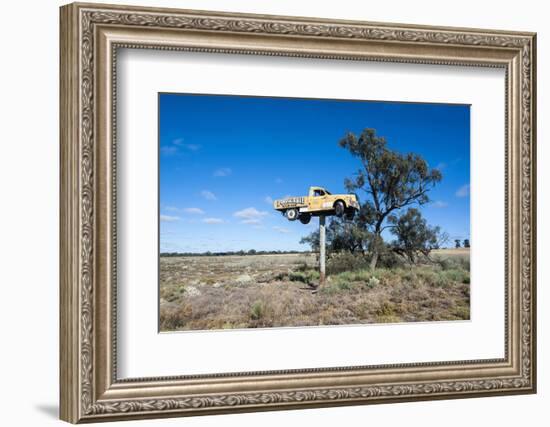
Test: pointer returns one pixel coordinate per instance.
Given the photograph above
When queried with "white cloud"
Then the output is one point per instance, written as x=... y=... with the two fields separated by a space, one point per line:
x=440 y=204
x=463 y=191
x=193 y=211
x=213 y=221
x=208 y=195
x=281 y=229
x=250 y=213
x=168 y=218
x=168 y=149
x=268 y=200
x=179 y=142
x=175 y=146
x=441 y=165
x=251 y=216
x=223 y=172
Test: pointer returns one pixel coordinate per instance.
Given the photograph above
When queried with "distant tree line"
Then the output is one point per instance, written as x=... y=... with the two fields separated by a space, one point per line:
x=225 y=253
x=465 y=243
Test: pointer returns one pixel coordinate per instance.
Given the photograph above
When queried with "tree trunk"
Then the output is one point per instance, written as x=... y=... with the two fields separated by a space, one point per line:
x=376 y=244
x=374 y=259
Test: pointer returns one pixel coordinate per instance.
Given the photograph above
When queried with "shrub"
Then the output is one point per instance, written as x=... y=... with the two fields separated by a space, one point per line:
x=462 y=312
x=173 y=319
x=308 y=277
x=257 y=311
x=458 y=275
x=390 y=260
x=344 y=285
x=443 y=262
x=449 y=263
x=346 y=261
x=372 y=282
x=387 y=313
x=443 y=281
x=429 y=277
x=170 y=320
x=301 y=266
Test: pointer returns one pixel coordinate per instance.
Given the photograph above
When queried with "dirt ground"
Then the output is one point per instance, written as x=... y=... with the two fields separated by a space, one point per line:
x=254 y=291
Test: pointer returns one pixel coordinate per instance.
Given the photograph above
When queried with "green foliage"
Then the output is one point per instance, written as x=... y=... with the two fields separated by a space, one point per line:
x=414 y=237
x=359 y=280
x=394 y=180
x=341 y=235
x=449 y=263
x=304 y=275
x=257 y=311
x=373 y=282
x=389 y=259
x=346 y=261
x=458 y=275
x=390 y=179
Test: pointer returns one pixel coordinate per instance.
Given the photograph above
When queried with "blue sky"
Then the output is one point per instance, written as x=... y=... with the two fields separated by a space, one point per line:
x=223 y=159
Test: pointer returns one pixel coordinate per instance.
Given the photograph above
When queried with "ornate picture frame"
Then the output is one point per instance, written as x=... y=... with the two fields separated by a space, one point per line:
x=90 y=37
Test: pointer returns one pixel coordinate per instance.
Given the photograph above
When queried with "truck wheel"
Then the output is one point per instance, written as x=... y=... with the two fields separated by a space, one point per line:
x=291 y=214
x=339 y=208
x=305 y=218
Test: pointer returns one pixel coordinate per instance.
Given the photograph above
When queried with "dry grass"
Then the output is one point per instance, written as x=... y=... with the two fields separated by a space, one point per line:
x=272 y=291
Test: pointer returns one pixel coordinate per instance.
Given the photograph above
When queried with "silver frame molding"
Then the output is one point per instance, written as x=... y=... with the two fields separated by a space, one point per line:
x=90 y=37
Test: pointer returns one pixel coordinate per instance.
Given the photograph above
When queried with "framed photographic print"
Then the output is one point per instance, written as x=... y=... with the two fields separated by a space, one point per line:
x=265 y=212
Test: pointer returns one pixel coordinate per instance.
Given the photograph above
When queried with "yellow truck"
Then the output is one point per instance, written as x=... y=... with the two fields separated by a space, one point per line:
x=318 y=202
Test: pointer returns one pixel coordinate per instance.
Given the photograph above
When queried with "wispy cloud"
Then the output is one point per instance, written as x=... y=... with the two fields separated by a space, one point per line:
x=178 y=144
x=169 y=218
x=213 y=221
x=208 y=195
x=250 y=215
x=278 y=180
x=268 y=200
x=171 y=209
x=192 y=211
x=440 y=204
x=253 y=221
x=463 y=191
x=281 y=230
x=223 y=172
x=441 y=166
x=168 y=149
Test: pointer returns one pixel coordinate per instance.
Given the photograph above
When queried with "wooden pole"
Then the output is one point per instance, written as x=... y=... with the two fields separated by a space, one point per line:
x=322 y=243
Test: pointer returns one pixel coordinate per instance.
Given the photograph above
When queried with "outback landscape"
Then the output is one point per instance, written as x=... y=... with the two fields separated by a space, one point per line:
x=257 y=291
x=350 y=213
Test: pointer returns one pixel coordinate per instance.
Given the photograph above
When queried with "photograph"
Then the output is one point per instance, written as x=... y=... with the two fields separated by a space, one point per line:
x=293 y=212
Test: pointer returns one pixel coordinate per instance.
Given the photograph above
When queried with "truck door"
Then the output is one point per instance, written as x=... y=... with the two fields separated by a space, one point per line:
x=317 y=199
